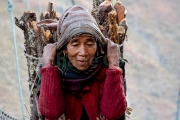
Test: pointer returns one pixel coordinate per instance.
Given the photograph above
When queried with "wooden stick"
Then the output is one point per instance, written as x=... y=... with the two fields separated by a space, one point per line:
x=120 y=11
x=50 y=7
x=112 y=26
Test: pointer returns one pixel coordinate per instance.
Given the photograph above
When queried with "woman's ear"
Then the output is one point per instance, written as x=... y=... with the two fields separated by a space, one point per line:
x=50 y=23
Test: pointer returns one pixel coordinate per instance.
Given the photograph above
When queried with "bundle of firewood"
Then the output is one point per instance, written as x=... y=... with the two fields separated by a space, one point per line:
x=111 y=21
x=36 y=35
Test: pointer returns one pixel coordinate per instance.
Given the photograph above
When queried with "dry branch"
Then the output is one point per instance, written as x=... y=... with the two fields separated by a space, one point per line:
x=111 y=20
x=112 y=26
x=36 y=37
x=120 y=11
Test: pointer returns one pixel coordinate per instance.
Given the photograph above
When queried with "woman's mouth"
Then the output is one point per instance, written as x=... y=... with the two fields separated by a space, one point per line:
x=83 y=62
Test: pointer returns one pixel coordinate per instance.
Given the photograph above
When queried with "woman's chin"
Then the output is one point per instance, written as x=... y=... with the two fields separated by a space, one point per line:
x=82 y=68
x=82 y=65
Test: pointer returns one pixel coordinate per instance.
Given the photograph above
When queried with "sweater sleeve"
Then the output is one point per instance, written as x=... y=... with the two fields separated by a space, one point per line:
x=51 y=101
x=113 y=101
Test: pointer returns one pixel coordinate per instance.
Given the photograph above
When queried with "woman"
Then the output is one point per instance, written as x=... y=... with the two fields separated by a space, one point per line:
x=81 y=85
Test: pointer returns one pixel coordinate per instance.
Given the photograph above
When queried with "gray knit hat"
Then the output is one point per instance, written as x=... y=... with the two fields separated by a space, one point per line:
x=77 y=20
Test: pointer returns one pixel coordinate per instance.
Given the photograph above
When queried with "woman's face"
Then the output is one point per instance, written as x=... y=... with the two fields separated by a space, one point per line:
x=81 y=51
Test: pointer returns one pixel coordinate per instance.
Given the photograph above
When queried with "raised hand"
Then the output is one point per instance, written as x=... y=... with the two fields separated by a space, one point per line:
x=49 y=54
x=113 y=54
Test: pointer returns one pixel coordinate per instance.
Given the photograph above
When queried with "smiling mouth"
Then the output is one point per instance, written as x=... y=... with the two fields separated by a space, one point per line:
x=83 y=62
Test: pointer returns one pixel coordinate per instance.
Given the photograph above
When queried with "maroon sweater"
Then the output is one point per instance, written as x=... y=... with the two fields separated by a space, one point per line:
x=104 y=96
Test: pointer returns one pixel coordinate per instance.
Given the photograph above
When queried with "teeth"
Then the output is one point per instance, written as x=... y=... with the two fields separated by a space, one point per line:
x=83 y=60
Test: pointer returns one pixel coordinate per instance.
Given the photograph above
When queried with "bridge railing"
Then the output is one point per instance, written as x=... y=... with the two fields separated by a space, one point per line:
x=5 y=116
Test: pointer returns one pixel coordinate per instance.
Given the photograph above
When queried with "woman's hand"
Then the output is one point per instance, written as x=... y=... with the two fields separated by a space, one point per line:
x=49 y=54
x=113 y=53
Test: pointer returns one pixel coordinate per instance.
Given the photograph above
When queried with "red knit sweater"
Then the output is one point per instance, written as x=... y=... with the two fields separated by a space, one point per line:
x=104 y=96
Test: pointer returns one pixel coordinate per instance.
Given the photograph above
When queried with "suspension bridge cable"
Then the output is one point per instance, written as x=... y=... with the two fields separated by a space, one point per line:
x=66 y=3
x=5 y=116
x=73 y=2
x=178 y=108
x=27 y=4
x=59 y=7
x=40 y=6
x=10 y=9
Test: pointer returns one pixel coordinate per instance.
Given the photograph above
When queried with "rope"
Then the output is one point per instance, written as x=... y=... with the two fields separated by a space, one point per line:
x=27 y=4
x=5 y=116
x=32 y=57
x=73 y=2
x=10 y=9
x=66 y=3
x=40 y=6
x=178 y=108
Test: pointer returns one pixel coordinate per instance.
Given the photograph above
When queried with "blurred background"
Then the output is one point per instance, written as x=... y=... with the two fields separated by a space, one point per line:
x=152 y=50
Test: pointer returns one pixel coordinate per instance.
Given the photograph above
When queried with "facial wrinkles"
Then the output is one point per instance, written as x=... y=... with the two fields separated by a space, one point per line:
x=84 y=50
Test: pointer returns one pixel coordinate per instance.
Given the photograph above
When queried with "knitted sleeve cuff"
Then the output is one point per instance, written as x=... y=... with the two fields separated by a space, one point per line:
x=51 y=100
x=113 y=71
x=113 y=94
x=47 y=66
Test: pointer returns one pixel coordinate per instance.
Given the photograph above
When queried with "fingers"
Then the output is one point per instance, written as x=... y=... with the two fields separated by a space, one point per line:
x=113 y=53
x=49 y=53
x=112 y=45
x=50 y=48
x=51 y=45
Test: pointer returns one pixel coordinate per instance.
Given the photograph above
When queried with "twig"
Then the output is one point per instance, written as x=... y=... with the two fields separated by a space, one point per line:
x=27 y=110
x=32 y=57
x=33 y=86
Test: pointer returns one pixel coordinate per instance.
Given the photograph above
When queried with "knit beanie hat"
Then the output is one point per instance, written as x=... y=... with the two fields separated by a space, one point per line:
x=75 y=21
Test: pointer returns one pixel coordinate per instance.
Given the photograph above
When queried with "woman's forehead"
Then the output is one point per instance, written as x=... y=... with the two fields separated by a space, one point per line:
x=83 y=38
x=84 y=35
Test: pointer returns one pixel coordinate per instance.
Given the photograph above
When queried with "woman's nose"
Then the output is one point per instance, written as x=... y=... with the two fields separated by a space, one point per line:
x=83 y=51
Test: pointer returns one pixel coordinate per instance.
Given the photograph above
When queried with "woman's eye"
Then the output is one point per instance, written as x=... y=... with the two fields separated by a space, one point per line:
x=74 y=44
x=90 y=44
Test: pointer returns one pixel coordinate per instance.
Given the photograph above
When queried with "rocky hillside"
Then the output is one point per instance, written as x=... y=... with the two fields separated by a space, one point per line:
x=152 y=51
